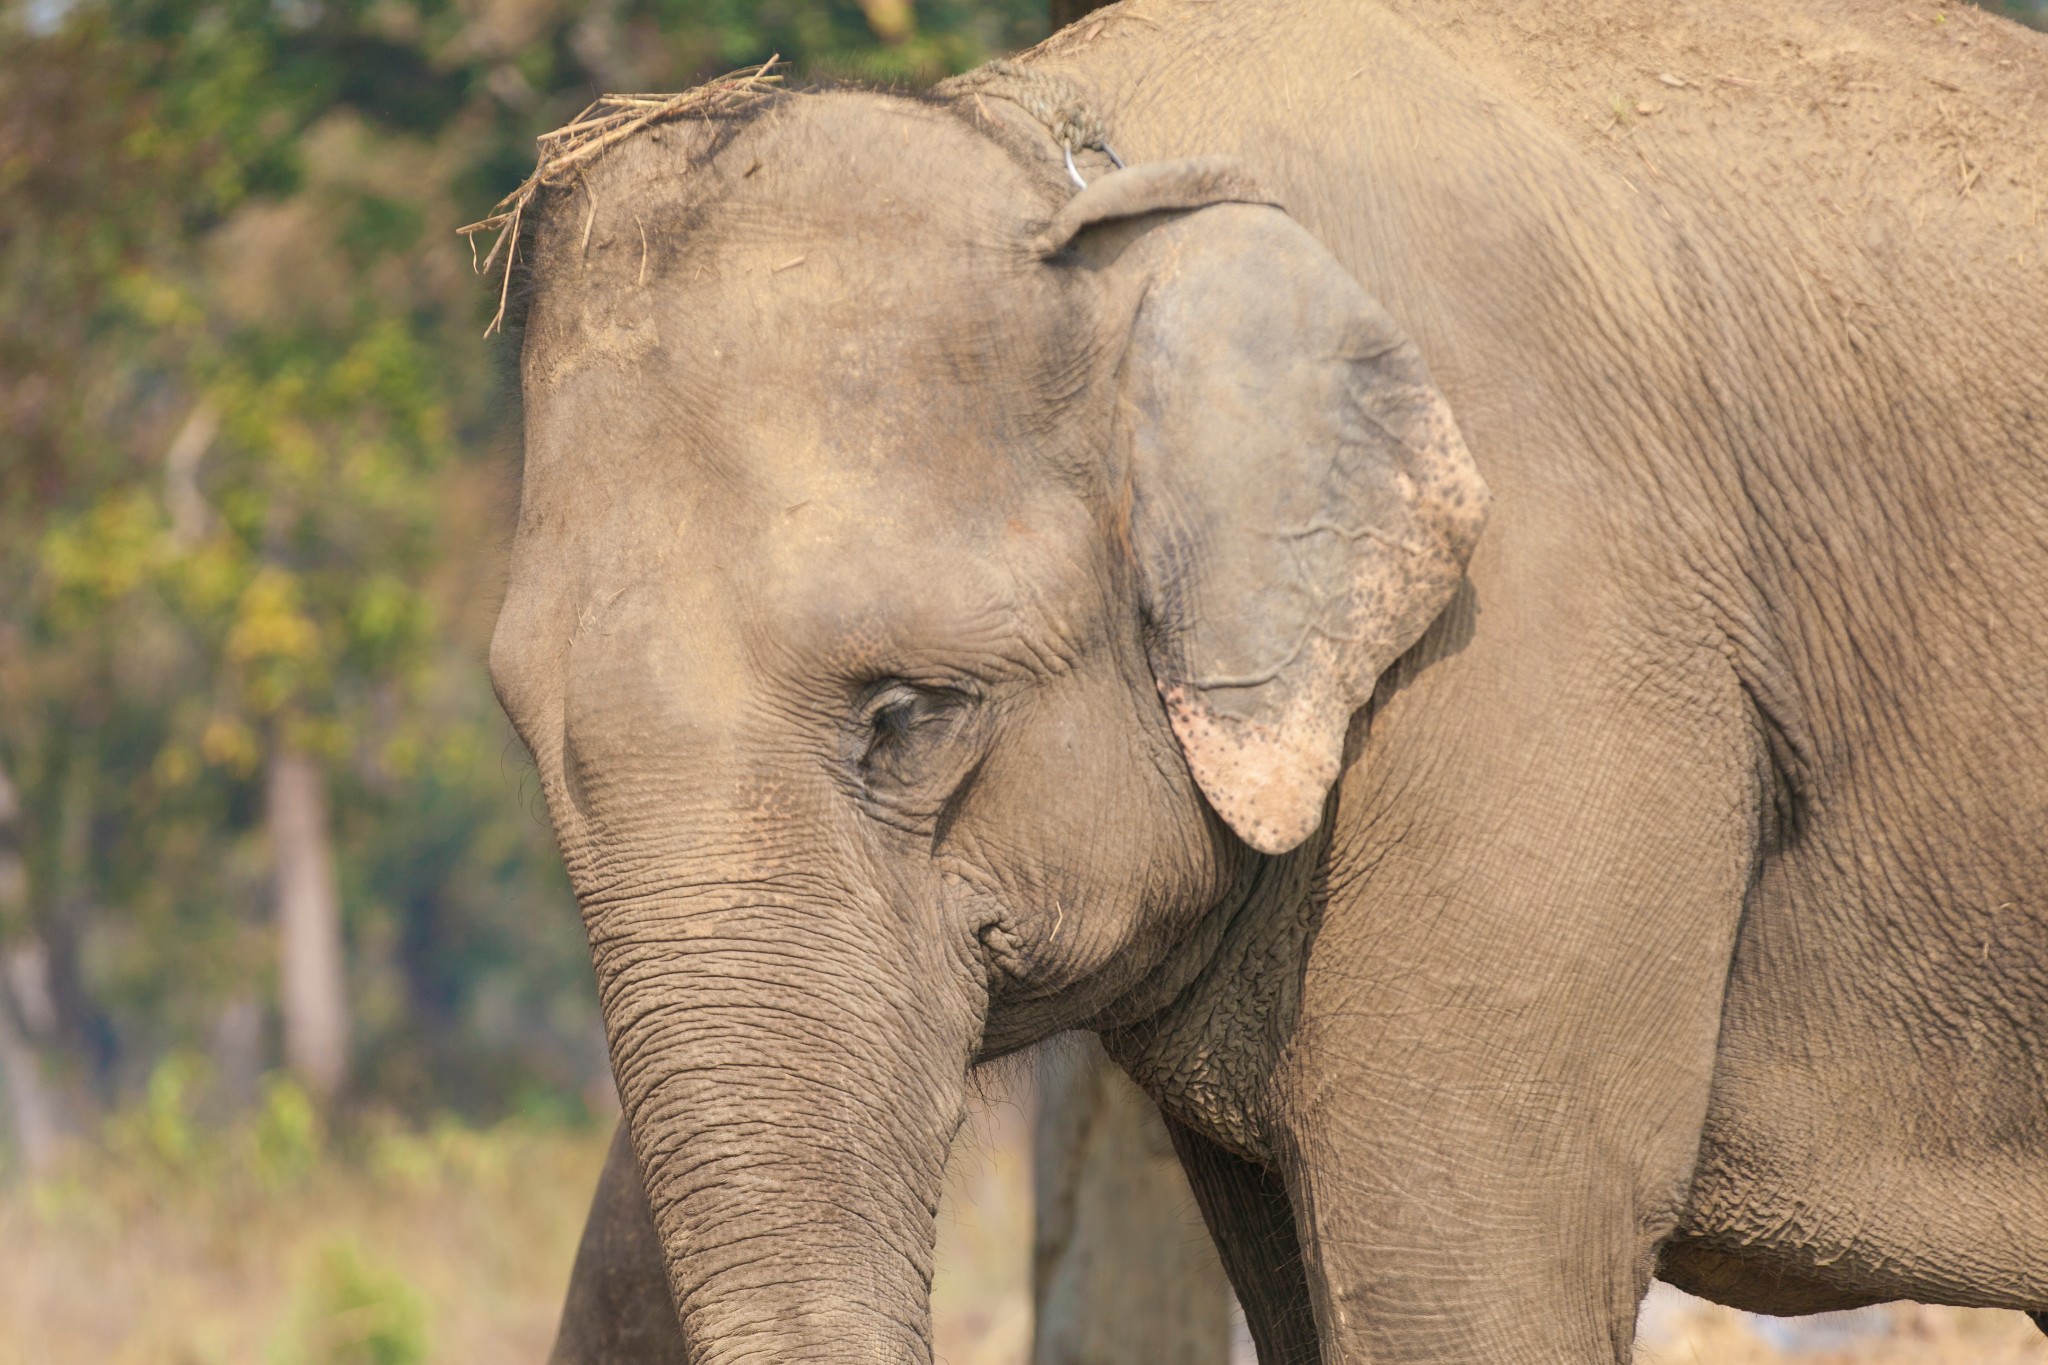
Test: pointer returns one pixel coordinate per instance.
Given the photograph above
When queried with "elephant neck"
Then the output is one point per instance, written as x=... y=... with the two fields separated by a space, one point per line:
x=1204 y=1032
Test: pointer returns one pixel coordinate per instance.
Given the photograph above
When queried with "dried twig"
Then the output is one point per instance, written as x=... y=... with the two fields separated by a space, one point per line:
x=607 y=122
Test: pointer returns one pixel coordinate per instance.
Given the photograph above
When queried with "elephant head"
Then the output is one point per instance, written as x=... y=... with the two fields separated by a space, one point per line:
x=932 y=588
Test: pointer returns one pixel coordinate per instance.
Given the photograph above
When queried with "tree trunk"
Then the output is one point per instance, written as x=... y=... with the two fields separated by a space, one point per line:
x=238 y=1051
x=31 y=1105
x=56 y=967
x=1122 y=1266
x=32 y=1108
x=312 y=979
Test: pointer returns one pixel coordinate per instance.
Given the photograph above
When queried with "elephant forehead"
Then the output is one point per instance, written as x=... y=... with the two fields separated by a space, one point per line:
x=927 y=356
x=709 y=549
x=739 y=388
x=855 y=572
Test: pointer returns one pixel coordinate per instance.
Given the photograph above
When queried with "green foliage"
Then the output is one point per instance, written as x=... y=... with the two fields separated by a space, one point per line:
x=285 y=1138
x=172 y=1139
x=2033 y=13
x=161 y=1131
x=354 y=1310
x=460 y=1258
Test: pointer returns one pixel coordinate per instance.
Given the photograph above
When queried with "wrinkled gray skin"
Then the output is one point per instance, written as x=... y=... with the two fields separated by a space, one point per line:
x=940 y=602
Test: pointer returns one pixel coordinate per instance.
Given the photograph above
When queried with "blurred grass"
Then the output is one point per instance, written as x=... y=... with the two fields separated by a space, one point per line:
x=266 y=1240
x=396 y=1248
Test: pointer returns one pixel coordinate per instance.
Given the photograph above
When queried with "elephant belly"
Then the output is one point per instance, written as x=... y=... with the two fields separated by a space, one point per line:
x=1878 y=1126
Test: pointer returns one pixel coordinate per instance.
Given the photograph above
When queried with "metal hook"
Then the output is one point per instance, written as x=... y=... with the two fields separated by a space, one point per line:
x=1075 y=173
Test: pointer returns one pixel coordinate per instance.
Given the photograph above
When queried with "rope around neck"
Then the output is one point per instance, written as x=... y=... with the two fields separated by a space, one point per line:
x=1052 y=99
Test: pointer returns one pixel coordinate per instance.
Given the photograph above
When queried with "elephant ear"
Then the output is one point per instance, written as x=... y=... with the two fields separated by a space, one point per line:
x=1301 y=504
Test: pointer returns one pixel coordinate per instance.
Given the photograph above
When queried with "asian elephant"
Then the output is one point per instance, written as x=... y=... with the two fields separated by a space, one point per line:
x=951 y=605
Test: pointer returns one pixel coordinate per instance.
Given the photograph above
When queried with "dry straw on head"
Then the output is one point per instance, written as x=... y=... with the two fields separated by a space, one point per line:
x=608 y=121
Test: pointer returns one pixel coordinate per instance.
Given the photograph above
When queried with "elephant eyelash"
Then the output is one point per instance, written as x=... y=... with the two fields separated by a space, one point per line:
x=898 y=710
x=894 y=716
x=895 y=695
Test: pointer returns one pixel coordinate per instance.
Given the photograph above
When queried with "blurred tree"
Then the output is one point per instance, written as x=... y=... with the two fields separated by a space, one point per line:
x=1122 y=1266
x=1065 y=12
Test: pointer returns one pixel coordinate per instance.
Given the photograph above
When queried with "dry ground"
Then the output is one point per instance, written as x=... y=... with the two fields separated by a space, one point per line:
x=1682 y=1331
x=453 y=1246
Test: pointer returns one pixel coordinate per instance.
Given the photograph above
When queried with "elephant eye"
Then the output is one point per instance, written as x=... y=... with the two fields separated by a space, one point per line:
x=903 y=736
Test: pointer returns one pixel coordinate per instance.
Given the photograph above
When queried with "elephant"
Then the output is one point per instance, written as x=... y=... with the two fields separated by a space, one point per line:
x=1464 y=586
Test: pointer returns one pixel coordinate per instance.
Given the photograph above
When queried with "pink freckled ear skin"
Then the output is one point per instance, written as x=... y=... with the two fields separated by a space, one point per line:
x=1266 y=783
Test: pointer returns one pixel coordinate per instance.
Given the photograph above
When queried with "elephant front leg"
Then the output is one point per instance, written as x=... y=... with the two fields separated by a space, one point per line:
x=1248 y=1214
x=618 y=1310
x=1490 y=1109
x=1489 y=1122
x=1423 y=1251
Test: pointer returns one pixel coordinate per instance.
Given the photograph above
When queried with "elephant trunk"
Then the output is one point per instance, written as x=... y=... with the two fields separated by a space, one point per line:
x=792 y=1082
